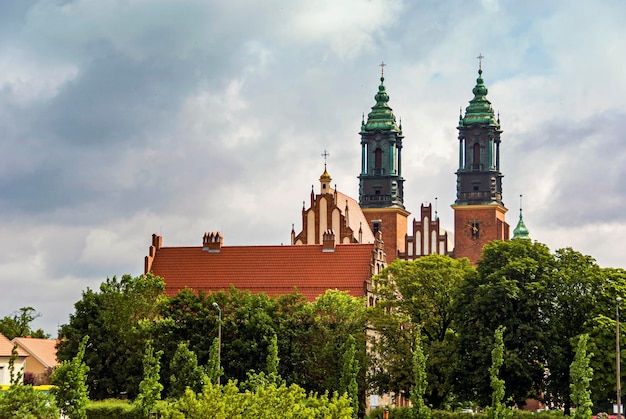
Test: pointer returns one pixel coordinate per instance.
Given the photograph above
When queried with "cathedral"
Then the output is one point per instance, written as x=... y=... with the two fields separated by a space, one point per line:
x=344 y=242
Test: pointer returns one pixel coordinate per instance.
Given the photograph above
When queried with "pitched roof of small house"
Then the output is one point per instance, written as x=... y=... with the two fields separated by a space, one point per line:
x=273 y=270
x=43 y=350
x=6 y=347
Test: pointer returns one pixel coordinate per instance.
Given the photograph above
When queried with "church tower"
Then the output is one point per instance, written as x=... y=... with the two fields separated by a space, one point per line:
x=381 y=186
x=479 y=213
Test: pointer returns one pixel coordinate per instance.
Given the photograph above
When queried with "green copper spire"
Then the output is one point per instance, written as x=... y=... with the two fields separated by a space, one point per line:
x=479 y=110
x=381 y=117
x=521 y=232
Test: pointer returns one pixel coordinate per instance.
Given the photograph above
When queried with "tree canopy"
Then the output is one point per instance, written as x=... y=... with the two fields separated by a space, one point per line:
x=112 y=318
x=19 y=324
x=413 y=295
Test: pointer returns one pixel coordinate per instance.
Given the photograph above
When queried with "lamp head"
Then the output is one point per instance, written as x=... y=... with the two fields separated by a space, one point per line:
x=216 y=305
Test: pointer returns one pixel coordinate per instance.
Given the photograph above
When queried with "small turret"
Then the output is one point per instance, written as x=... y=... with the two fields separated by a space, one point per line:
x=521 y=232
x=325 y=182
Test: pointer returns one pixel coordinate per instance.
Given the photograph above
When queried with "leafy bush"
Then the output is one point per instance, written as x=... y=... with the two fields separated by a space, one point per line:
x=24 y=402
x=111 y=408
x=222 y=402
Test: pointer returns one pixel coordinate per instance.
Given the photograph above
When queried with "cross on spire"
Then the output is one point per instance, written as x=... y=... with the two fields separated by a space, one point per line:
x=325 y=155
x=382 y=68
x=480 y=61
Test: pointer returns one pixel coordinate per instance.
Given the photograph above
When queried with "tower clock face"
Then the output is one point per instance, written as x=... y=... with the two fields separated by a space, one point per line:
x=473 y=229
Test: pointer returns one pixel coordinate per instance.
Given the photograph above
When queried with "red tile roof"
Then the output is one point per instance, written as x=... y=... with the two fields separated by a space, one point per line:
x=43 y=350
x=274 y=270
x=6 y=347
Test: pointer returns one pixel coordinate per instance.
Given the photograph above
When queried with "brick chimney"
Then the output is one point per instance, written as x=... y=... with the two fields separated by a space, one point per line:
x=329 y=241
x=212 y=242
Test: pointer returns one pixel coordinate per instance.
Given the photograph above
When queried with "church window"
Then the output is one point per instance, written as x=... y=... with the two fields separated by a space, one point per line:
x=476 y=164
x=378 y=158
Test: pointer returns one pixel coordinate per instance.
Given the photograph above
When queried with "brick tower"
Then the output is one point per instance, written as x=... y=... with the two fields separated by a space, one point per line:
x=381 y=186
x=479 y=213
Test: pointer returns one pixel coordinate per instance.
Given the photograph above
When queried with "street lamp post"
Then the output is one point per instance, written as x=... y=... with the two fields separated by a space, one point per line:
x=617 y=360
x=219 y=340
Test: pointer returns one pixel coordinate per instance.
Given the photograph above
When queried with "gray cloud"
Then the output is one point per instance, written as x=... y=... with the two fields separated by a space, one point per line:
x=120 y=120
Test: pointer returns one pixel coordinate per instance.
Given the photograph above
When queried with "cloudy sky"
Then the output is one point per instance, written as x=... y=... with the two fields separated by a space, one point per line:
x=124 y=118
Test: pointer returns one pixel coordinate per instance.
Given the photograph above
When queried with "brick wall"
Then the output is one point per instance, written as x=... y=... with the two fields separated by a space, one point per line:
x=475 y=226
x=393 y=224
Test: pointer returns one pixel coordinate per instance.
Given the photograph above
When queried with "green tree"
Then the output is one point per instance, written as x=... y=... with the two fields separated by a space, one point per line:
x=392 y=344
x=247 y=320
x=272 y=360
x=422 y=411
x=498 y=409
x=569 y=307
x=18 y=325
x=601 y=330
x=185 y=372
x=412 y=293
x=508 y=289
x=333 y=317
x=213 y=368
x=294 y=330
x=150 y=388
x=23 y=401
x=581 y=375
x=112 y=318
x=349 y=373
x=270 y=375
x=70 y=381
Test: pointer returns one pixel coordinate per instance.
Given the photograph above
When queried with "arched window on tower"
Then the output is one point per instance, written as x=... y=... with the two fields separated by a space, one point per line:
x=476 y=162
x=378 y=158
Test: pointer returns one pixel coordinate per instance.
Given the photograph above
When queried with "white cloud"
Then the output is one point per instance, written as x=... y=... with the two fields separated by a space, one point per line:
x=349 y=28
